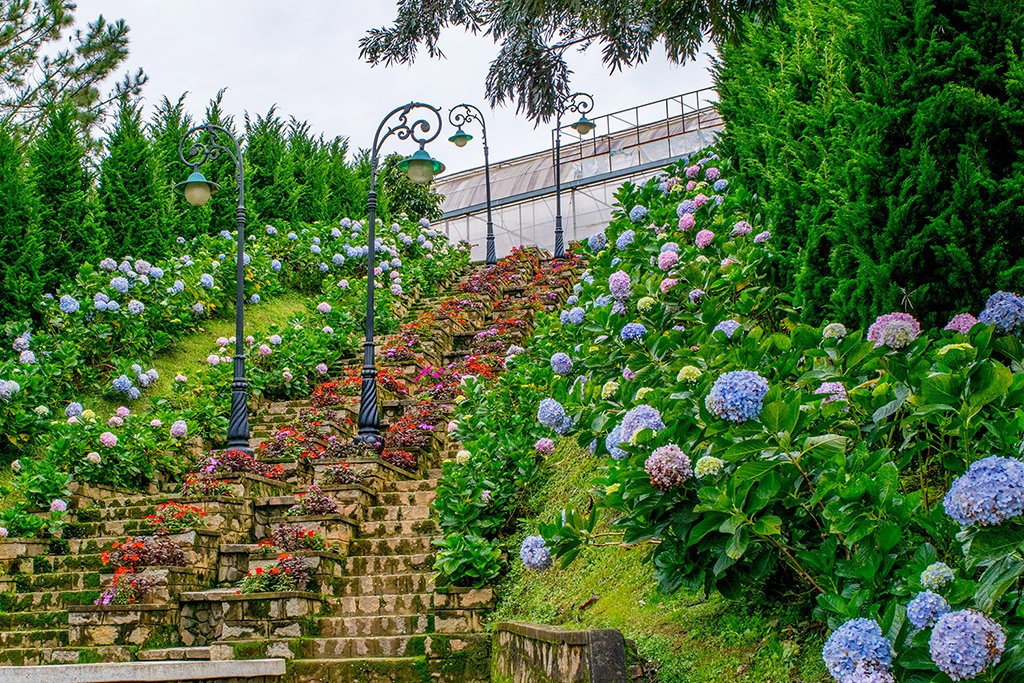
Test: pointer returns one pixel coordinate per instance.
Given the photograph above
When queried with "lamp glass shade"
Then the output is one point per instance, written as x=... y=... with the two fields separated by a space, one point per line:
x=584 y=125
x=421 y=167
x=460 y=138
x=197 y=189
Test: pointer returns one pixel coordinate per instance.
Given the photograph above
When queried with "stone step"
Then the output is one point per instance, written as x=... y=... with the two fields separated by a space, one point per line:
x=396 y=513
x=407 y=545
x=413 y=498
x=46 y=601
x=62 y=581
x=379 y=605
x=36 y=656
x=363 y=670
x=368 y=565
x=410 y=485
x=40 y=620
x=175 y=654
x=403 y=528
x=35 y=638
x=365 y=627
x=386 y=584
x=343 y=648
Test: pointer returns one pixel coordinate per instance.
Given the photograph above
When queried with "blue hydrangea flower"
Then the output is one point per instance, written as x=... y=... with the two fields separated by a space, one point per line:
x=135 y=307
x=535 y=554
x=612 y=441
x=120 y=284
x=27 y=357
x=597 y=242
x=275 y=266
x=991 y=492
x=122 y=384
x=156 y=273
x=936 y=576
x=8 y=388
x=720 y=185
x=68 y=304
x=572 y=300
x=574 y=316
x=965 y=643
x=324 y=267
x=271 y=230
x=346 y=223
x=687 y=206
x=641 y=417
x=561 y=364
x=74 y=409
x=133 y=394
x=588 y=277
x=925 y=609
x=632 y=331
x=198 y=308
x=857 y=644
x=176 y=288
x=292 y=236
x=113 y=305
x=737 y=396
x=206 y=280
x=625 y=239
x=551 y=414
x=254 y=299
x=728 y=328
x=246 y=259
x=603 y=300
x=315 y=249
x=275 y=339
x=225 y=234
x=1005 y=310
x=670 y=246
x=221 y=257
x=638 y=213
x=108 y=264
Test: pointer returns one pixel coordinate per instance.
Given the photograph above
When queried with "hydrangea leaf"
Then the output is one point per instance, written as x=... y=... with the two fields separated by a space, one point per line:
x=989 y=544
x=996 y=580
x=991 y=382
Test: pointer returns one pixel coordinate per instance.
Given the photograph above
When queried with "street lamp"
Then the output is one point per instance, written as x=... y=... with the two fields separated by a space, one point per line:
x=577 y=103
x=459 y=116
x=198 y=190
x=421 y=168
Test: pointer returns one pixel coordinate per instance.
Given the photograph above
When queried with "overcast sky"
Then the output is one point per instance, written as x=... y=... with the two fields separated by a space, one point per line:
x=304 y=57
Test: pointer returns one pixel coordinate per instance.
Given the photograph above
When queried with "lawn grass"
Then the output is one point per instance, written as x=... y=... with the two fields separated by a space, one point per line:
x=692 y=638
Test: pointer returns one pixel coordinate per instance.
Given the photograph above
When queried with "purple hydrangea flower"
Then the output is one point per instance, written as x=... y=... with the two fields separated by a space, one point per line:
x=535 y=554
x=561 y=364
x=641 y=417
x=632 y=331
x=925 y=609
x=962 y=323
x=966 y=643
x=696 y=295
x=712 y=174
x=857 y=644
x=74 y=409
x=1005 y=310
x=895 y=330
x=667 y=259
x=737 y=396
x=762 y=237
x=834 y=391
x=991 y=492
x=198 y=308
x=179 y=430
x=620 y=285
x=135 y=307
x=703 y=239
x=727 y=327
x=275 y=339
x=687 y=206
x=692 y=171
x=720 y=186
x=58 y=505
x=544 y=446
x=323 y=307
x=668 y=467
x=638 y=213
x=687 y=222
x=742 y=228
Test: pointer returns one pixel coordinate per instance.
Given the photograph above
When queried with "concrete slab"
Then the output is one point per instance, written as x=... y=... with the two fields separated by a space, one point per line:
x=142 y=672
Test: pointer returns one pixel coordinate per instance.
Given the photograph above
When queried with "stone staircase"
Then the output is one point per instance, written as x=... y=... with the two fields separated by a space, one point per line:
x=371 y=611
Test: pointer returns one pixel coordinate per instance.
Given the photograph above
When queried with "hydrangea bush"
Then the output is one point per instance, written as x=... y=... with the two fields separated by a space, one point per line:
x=862 y=468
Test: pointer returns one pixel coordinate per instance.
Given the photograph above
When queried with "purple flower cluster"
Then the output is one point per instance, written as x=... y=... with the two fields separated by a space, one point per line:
x=895 y=330
x=535 y=554
x=638 y=213
x=834 y=391
x=641 y=417
x=727 y=327
x=620 y=285
x=965 y=643
x=632 y=331
x=573 y=316
x=687 y=206
x=179 y=430
x=687 y=222
x=742 y=228
x=696 y=295
x=925 y=609
x=991 y=492
x=712 y=174
x=962 y=323
x=1005 y=310
x=544 y=446
x=561 y=364
x=737 y=396
x=668 y=467
x=855 y=649
x=762 y=237
x=703 y=239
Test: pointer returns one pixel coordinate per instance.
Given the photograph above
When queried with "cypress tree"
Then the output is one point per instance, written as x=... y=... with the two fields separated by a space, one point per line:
x=128 y=191
x=19 y=252
x=169 y=124
x=269 y=177
x=65 y=206
x=222 y=206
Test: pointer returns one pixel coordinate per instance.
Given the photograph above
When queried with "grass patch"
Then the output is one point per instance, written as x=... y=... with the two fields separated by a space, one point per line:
x=692 y=638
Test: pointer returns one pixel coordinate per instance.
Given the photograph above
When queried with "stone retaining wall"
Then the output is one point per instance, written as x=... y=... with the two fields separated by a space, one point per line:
x=530 y=653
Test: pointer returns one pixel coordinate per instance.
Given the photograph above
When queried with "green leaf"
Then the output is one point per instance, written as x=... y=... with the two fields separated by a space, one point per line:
x=753 y=470
x=991 y=381
x=774 y=415
x=738 y=543
x=769 y=525
x=826 y=445
x=939 y=389
x=990 y=544
x=996 y=580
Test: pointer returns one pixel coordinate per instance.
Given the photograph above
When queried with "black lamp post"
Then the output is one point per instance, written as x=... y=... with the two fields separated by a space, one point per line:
x=421 y=169
x=459 y=116
x=197 y=190
x=577 y=103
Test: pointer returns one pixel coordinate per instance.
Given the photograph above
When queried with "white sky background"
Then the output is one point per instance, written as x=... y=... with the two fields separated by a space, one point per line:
x=304 y=57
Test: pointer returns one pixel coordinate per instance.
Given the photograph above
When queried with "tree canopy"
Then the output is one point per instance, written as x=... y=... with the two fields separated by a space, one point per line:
x=530 y=68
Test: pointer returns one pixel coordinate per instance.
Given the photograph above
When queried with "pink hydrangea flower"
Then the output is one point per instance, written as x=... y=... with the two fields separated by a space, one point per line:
x=700 y=200
x=727 y=262
x=545 y=446
x=692 y=171
x=115 y=421
x=213 y=359
x=108 y=439
x=628 y=374
x=122 y=411
x=742 y=228
x=690 y=185
x=222 y=341
x=156 y=423
x=667 y=259
x=264 y=350
x=894 y=330
x=687 y=222
x=287 y=376
x=962 y=323
x=322 y=368
x=323 y=307
x=667 y=284
x=180 y=378
x=703 y=239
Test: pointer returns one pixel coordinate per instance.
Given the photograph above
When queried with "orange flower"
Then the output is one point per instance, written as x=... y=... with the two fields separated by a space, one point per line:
x=275 y=570
x=284 y=556
x=259 y=571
